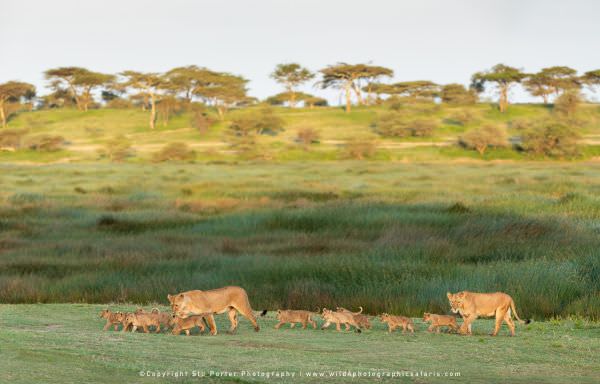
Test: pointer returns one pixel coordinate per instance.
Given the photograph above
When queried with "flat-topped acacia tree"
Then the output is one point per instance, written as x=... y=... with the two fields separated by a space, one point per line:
x=503 y=76
x=592 y=78
x=79 y=82
x=348 y=77
x=291 y=75
x=222 y=90
x=13 y=91
x=148 y=84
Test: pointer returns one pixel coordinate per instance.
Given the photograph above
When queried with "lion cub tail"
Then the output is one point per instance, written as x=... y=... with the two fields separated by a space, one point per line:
x=512 y=307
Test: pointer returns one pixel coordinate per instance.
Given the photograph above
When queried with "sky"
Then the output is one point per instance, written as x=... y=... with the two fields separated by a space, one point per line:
x=444 y=41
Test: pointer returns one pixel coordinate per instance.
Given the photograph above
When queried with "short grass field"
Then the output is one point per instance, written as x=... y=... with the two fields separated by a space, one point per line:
x=64 y=343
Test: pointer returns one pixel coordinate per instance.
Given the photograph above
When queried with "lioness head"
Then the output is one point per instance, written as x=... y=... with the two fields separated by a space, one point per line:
x=456 y=300
x=178 y=305
x=139 y=310
x=105 y=313
x=426 y=317
x=384 y=317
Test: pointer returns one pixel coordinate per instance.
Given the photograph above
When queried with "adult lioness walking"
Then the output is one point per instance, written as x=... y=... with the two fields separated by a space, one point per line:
x=220 y=300
x=472 y=305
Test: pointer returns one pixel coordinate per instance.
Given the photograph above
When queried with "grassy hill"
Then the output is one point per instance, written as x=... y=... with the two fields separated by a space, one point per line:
x=88 y=132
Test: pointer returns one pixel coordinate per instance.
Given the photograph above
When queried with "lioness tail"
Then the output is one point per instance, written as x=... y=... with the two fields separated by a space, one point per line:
x=263 y=313
x=512 y=306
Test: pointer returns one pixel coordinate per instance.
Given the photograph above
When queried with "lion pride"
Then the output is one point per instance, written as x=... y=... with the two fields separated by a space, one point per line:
x=472 y=305
x=227 y=299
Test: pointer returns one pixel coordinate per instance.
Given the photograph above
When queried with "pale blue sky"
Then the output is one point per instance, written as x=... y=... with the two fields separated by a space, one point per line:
x=440 y=40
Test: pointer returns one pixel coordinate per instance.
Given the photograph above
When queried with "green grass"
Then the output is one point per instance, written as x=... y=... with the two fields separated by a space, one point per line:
x=387 y=236
x=87 y=132
x=65 y=344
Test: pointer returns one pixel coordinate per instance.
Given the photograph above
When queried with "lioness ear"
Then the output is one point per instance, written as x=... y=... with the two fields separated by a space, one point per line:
x=449 y=295
x=181 y=295
x=170 y=298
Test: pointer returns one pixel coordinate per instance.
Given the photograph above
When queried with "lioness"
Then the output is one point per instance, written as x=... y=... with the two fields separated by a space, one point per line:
x=361 y=319
x=143 y=320
x=472 y=305
x=187 y=324
x=295 y=316
x=438 y=321
x=227 y=299
x=339 y=318
x=112 y=318
x=394 y=322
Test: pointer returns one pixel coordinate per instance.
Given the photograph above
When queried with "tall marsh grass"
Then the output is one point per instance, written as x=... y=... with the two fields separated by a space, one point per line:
x=392 y=237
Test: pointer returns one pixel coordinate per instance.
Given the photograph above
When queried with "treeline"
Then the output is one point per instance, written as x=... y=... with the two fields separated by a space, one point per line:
x=361 y=84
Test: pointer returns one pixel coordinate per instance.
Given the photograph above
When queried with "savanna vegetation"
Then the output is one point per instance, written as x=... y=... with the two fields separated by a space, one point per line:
x=387 y=236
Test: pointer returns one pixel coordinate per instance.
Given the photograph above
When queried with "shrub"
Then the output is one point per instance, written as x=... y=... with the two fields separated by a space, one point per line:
x=568 y=103
x=481 y=139
x=457 y=94
x=11 y=138
x=119 y=103
x=360 y=149
x=264 y=121
x=307 y=136
x=174 y=152
x=422 y=127
x=117 y=149
x=201 y=121
x=551 y=138
x=394 y=124
x=46 y=143
x=462 y=116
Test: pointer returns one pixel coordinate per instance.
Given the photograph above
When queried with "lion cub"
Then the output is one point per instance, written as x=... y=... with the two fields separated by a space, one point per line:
x=394 y=322
x=438 y=321
x=112 y=318
x=187 y=324
x=339 y=318
x=361 y=319
x=141 y=319
x=295 y=316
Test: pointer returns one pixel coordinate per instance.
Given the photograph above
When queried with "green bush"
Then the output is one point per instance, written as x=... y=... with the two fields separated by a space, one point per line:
x=360 y=149
x=11 y=139
x=175 y=152
x=117 y=149
x=551 y=138
x=480 y=139
x=46 y=143
x=307 y=136
x=395 y=124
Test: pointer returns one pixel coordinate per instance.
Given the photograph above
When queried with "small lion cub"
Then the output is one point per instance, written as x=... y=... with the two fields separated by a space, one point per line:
x=295 y=316
x=112 y=318
x=394 y=322
x=339 y=318
x=179 y=324
x=142 y=320
x=361 y=319
x=438 y=321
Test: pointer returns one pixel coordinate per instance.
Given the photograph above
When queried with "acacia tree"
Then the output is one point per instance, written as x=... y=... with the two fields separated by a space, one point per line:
x=537 y=85
x=13 y=91
x=503 y=76
x=373 y=74
x=223 y=90
x=560 y=79
x=79 y=82
x=457 y=94
x=343 y=76
x=592 y=78
x=148 y=84
x=291 y=75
